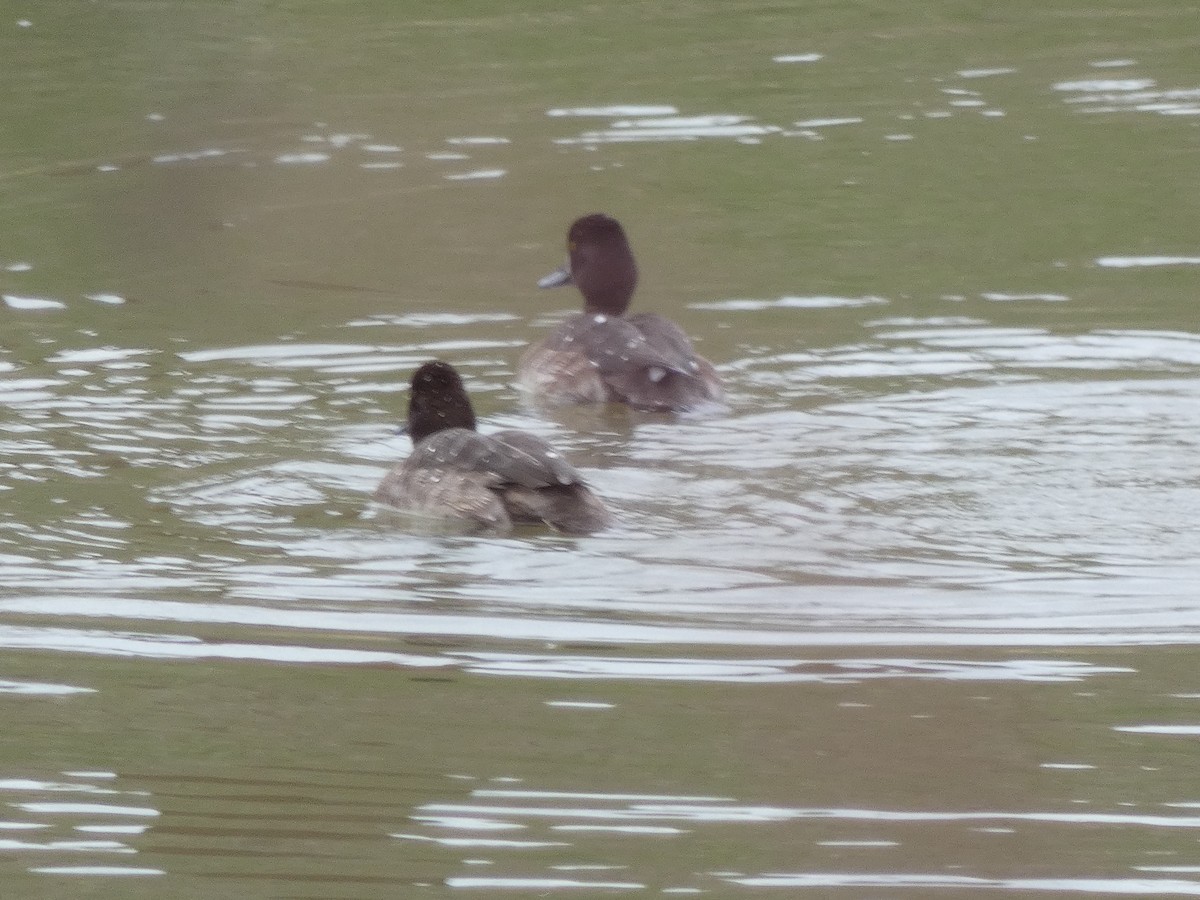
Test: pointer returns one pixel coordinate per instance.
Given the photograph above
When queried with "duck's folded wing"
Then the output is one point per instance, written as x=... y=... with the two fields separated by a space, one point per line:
x=667 y=339
x=571 y=509
x=512 y=457
x=527 y=460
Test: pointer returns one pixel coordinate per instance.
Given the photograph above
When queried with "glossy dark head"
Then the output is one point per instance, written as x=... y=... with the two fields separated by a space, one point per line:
x=601 y=264
x=438 y=401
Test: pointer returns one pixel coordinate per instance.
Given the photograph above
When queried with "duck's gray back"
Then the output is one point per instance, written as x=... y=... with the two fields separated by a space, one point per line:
x=613 y=344
x=513 y=457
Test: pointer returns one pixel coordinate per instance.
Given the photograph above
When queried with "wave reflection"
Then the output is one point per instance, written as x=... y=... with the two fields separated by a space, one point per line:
x=558 y=665
x=1160 y=887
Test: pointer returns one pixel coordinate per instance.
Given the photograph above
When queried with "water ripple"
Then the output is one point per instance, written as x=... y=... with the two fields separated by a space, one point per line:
x=1158 y=887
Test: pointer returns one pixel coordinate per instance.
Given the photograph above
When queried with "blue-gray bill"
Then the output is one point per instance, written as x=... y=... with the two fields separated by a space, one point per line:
x=557 y=278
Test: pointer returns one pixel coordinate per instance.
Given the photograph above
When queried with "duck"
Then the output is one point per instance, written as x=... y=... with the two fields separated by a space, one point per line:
x=604 y=354
x=488 y=482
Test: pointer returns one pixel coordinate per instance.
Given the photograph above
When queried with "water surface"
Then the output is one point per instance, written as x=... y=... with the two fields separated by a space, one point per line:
x=914 y=614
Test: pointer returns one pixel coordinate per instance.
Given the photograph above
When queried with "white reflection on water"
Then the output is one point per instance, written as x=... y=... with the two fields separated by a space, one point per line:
x=478 y=140
x=106 y=355
x=719 y=811
x=34 y=687
x=584 y=815
x=341 y=358
x=544 y=665
x=91 y=809
x=986 y=73
x=1139 y=262
x=828 y=671
x=825 y=123
x=617 y=110
x=480 y=843
x=1127 y=886
x=154 y=646
x=74 y=846
x=579 y=704
x=96 y=871
x=789 y=303
x=1067 y=766
x=431 y=319
x=680 y=128
x=1106 y=84
x=13 y=301
x=477 y=175
x=1000 y=297
x=467 y=823
x=665 y=124
x=192 y=155
x=109 y=818
x=1110 y=95
x=664 y=830
x=31 y=784
x=541 y=884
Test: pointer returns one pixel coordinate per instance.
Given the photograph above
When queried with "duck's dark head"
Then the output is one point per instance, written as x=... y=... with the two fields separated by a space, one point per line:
x=437 y=401
x=600 y=264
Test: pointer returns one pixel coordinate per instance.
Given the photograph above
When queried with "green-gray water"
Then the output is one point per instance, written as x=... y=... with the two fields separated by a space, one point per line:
x=915 y=615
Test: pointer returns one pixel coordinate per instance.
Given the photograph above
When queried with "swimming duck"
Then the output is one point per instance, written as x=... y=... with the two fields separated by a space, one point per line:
x=487 y=481
x=603 y=355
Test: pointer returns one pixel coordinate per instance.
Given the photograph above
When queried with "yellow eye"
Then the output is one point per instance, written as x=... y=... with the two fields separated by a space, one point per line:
x=570 y=246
